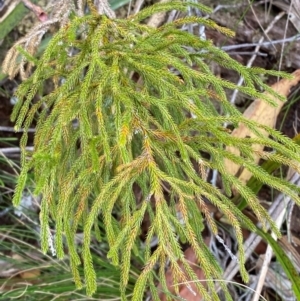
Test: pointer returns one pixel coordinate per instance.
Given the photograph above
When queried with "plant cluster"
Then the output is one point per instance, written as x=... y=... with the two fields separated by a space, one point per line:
x=132 y=109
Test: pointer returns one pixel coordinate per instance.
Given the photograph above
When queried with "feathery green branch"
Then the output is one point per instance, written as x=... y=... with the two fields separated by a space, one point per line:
x=101 y=132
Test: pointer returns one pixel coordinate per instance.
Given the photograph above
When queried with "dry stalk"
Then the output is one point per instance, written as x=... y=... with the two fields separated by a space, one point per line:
x=38 y=11
x=60 y=11
x=267 y=258
x=275 y=210
x=252 y=59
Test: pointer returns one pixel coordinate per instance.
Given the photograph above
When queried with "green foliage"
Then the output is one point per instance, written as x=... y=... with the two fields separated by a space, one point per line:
x=132 y=110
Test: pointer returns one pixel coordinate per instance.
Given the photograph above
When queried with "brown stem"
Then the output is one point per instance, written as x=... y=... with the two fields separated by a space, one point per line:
x=38 y=11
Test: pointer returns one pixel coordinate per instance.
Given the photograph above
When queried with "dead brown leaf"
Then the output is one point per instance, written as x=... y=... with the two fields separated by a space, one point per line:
x=263 y=113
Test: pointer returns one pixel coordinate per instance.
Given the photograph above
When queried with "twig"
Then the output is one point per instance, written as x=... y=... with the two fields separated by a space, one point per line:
x=156 y=19
x=268 y=257
x=247 y=53
x=9 y=150
x=253 y=240
x=103 y=7
x=137 y=6
x=38 y=11
x=247 y=45
x=285 y=31
x=250 y=62
x=11 y=129
x=221 y=6
x=259 y=24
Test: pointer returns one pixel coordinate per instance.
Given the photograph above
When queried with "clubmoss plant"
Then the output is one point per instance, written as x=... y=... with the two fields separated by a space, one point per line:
x=132 y=109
